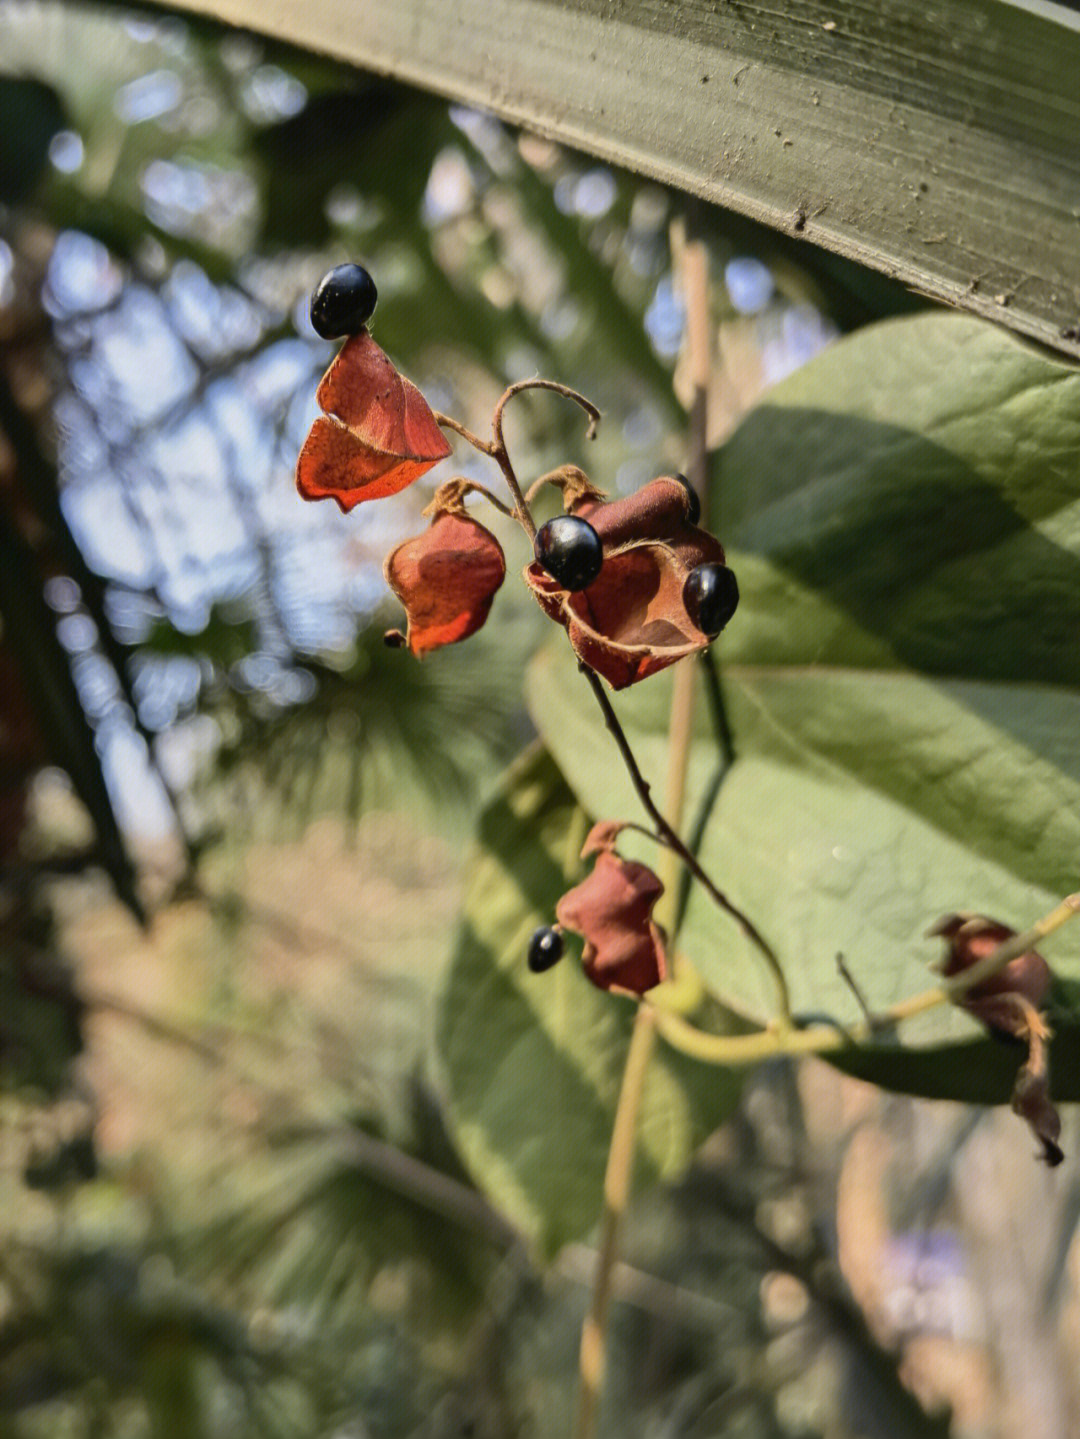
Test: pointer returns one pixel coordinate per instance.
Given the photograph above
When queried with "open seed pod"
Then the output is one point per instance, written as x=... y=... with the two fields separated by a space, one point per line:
x=632 y=621
x=377 y=434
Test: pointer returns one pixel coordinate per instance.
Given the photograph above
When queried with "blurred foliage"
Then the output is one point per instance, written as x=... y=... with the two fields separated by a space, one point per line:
x=232 y=1199
x=30 y=115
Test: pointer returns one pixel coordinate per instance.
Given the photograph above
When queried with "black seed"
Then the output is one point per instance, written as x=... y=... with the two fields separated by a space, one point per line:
x=343 y=302
x=570 y=550
x=711 y=597
x=545 y=948
x=693 y=513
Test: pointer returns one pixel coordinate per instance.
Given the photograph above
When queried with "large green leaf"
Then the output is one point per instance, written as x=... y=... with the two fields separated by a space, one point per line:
x=533 y=1062
x=903 y=674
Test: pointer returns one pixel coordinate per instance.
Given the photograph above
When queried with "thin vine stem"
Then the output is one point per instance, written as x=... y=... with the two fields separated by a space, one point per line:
x=447 y=422
x=738 y=1050
x=459 y=488
x=668 y=836
x=537 y=384
x=501 y=455
x=495 y=448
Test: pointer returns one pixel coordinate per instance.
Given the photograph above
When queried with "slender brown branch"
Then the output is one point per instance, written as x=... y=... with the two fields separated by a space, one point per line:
x=496 y=449
x=522 y=513
x=668 y=836
x=457 y=489
x=449 y=423
x=501 y=454
x=496 y=446
x=558 y=389
x=536 y=488
x=856 y=989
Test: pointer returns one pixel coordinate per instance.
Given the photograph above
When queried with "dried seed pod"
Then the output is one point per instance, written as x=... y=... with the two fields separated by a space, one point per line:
x=1009 y=1004
x=632 y=620
x=447 y=577
x=377 y=434
x=970 y=938
x=624 y=946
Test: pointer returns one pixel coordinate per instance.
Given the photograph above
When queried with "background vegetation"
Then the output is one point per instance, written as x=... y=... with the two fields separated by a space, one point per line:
x=286 y=1149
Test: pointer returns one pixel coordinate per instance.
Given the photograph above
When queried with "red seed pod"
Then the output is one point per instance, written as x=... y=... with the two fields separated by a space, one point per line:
x=447 y=577
x=624 y=947
x=632 y=621
x=377 y=434
x=971 y=937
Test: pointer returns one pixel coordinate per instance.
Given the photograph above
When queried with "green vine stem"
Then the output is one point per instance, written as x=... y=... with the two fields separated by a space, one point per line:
x=739 y=1050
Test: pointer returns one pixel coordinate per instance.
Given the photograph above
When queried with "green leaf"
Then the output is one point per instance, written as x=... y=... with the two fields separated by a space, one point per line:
x=902 y=678
x=533 y=1062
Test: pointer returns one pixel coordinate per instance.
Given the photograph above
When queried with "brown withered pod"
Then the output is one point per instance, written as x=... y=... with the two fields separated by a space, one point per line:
x=447 y=577
x=633 y=619
x=972 y=937
x=625 y=949
x=1010 y=1004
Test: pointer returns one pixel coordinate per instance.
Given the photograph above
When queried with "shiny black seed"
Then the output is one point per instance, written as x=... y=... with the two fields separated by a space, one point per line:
x=570 y=550
x=545 y=948
x=343 y=302
x=693 y=513
x=711 y=597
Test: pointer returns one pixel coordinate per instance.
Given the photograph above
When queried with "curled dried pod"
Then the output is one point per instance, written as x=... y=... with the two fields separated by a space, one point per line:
x=1009 y=1003
x=625 y=949
x=447 y=577
x=972 y=937
x=632 y=619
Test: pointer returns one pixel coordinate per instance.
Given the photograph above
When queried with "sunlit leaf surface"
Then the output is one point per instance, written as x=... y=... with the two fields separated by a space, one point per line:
x=902 y=676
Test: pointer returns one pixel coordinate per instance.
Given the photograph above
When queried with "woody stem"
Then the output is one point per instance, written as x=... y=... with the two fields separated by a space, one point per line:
x=449 y=423
x=669 y=837
x=556 y=388
x=522 y=513
x=496 y=449
x=500 y=454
